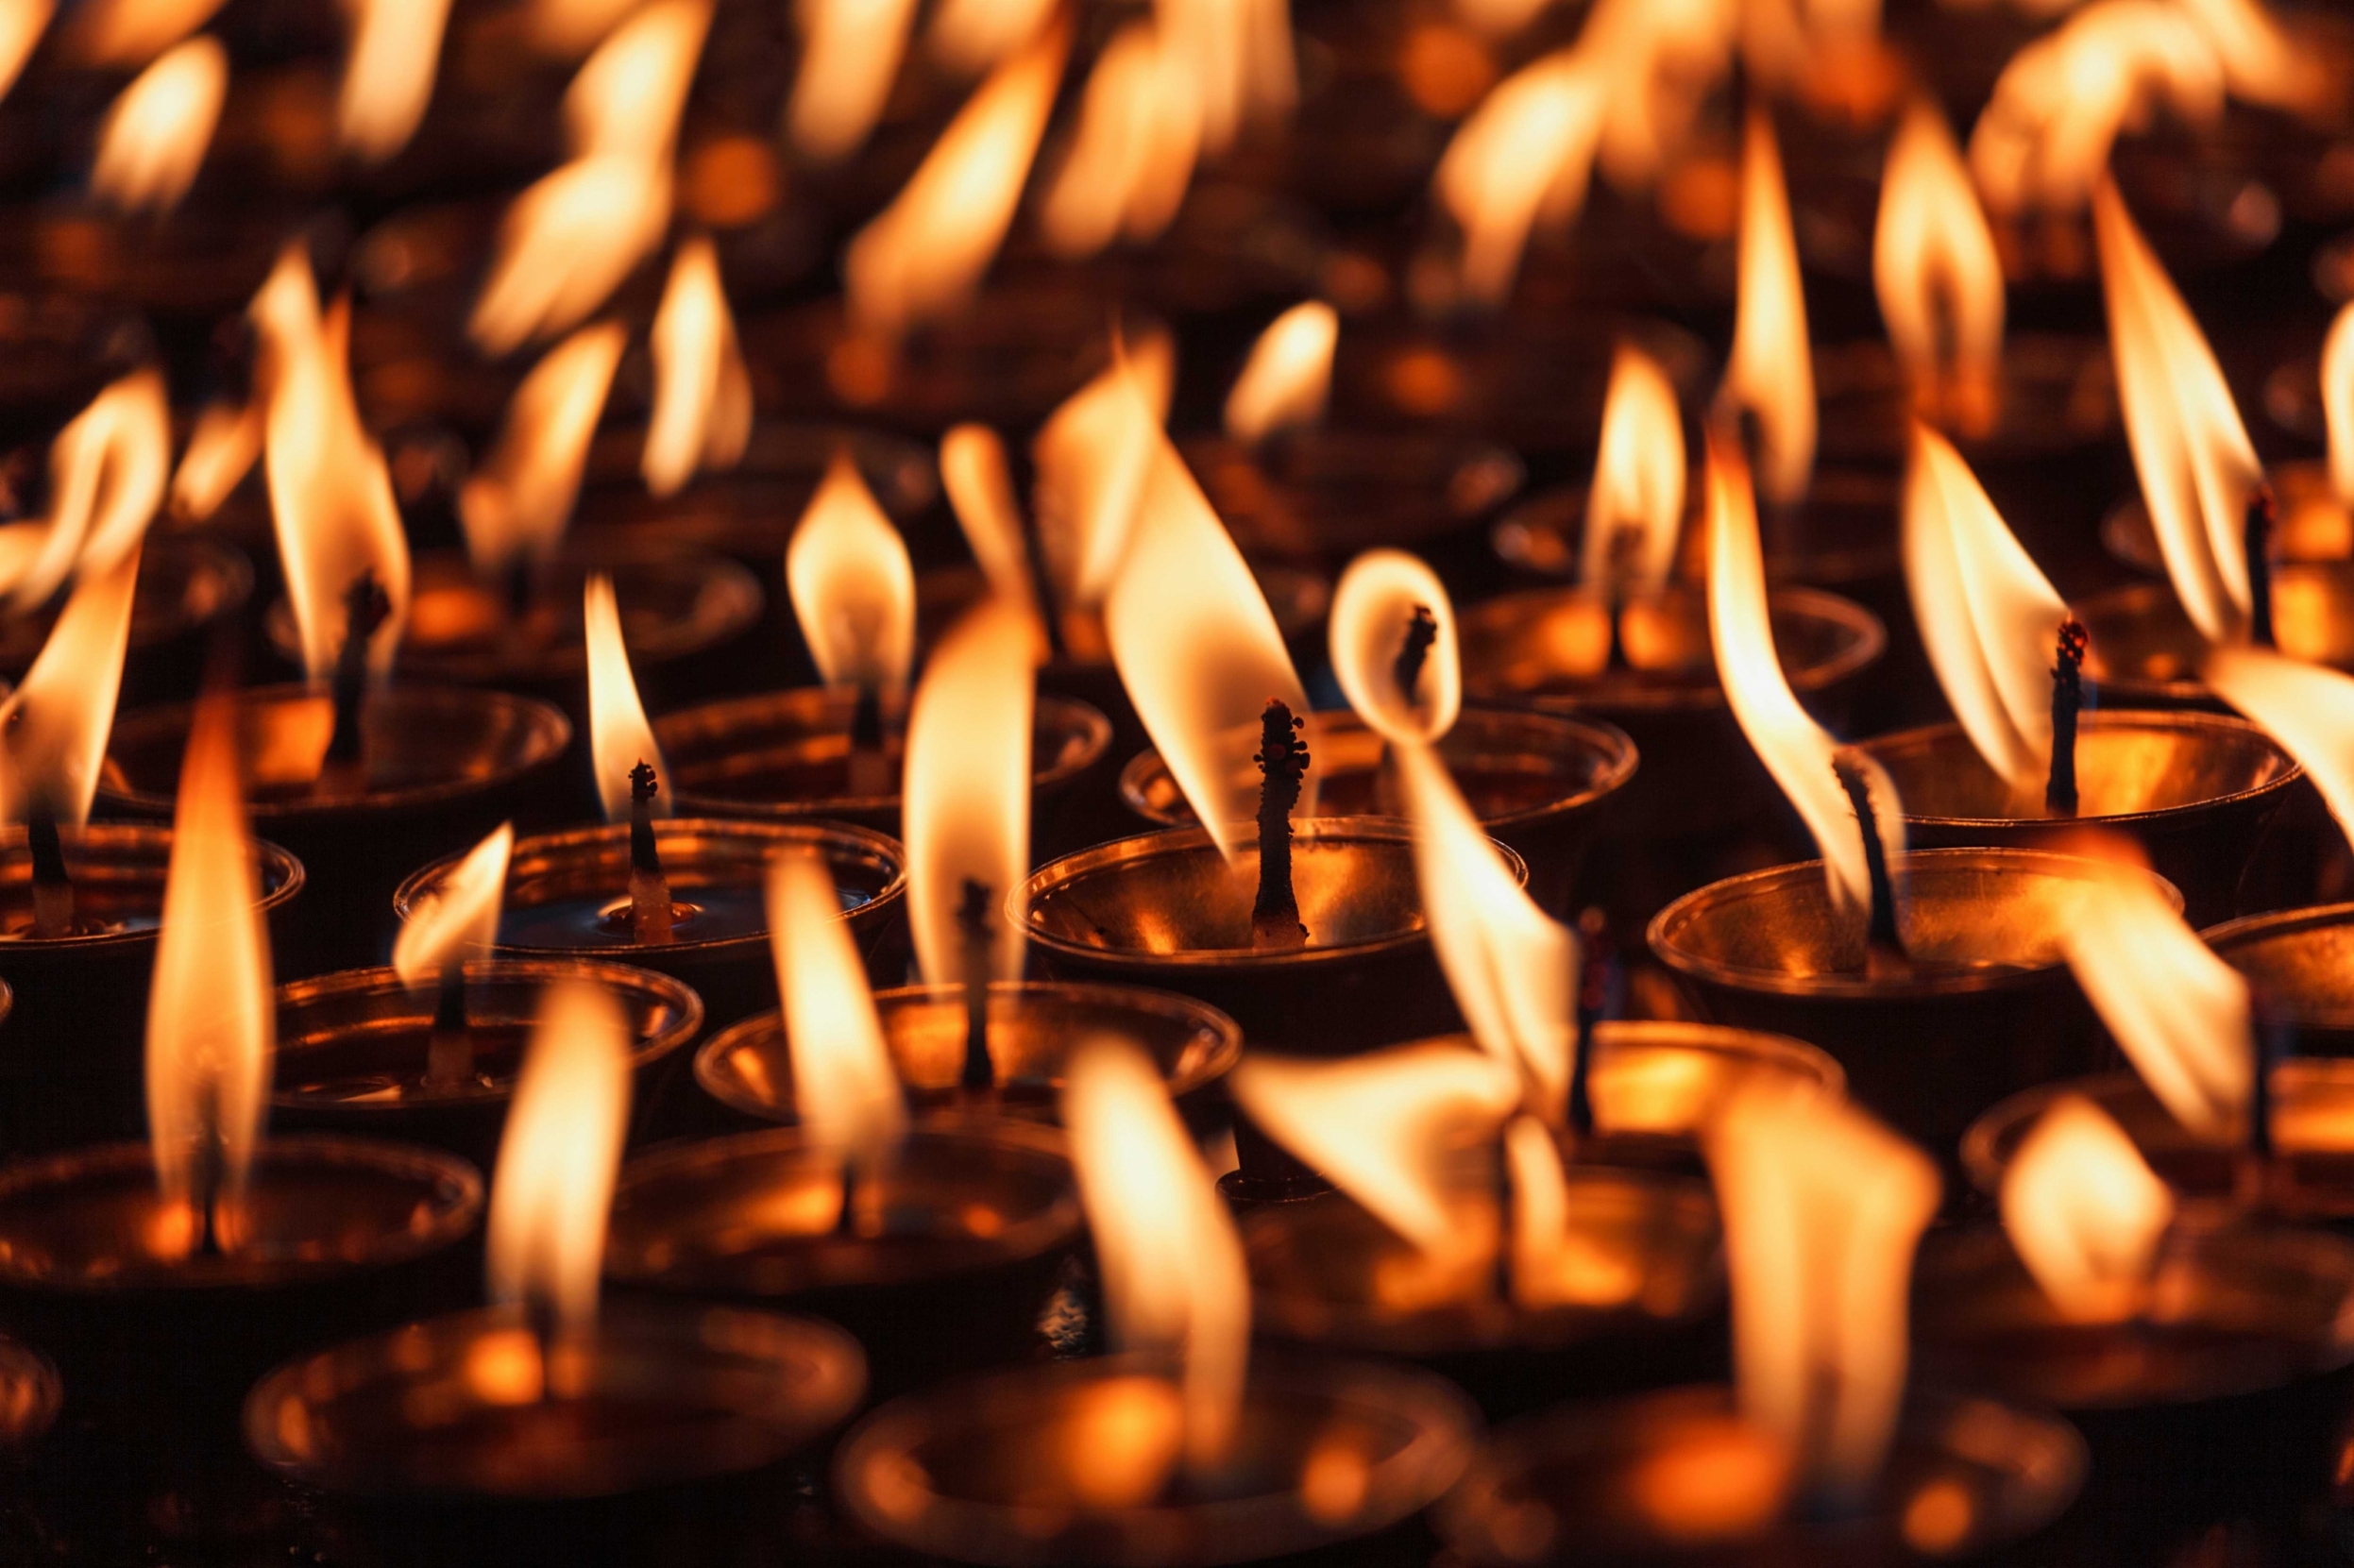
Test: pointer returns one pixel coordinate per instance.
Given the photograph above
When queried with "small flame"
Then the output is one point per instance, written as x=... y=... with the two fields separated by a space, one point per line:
x=2192 y=453
x=1988 y=615
x=2084 y=1212
x=2337 y=403
x=1938 y=274
x=1635 y=509
x=845 y=1091
x=1525 y=154
x=558 y=1159
x=1240 y=52
x=131 y=32
x=1552 y=1264
x=515 y=506
x=970 y=36
x=850 y=52
x=852 y=586
x=221 y=451
x=330 y=496
x=974 y=472
x=1379 y=596
x=54 y=726
x=1771 y=373
x=924 y=255
x=1092 y=456
x=703 y=394
x=462 y=920
x=1200 y=652
x=628 y=96
x=618 y=736
x=21 y=26
x=1797 y=751
x=154 y=139
x=1822 y=1208
x=2265 y=62
x=968 y=788
x=211 y=1022
x=1130 y=162
x=388 y=76
x=1288 y=376
x=1172 y=1264
x=106 y=474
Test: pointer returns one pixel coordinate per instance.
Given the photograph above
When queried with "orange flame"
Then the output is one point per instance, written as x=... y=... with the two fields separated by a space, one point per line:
x=558 y=1157
x=131 y=32
x=2193 y=454
x=970 y=36
x=1938 y=277
x=21 y=28
x=106 y=473
x=1130 y=162
x=2337 y=402
x=618 y=736
x=211 y=1024
x=570 y=28
x=1525 y=154
x=2084 y=1212
x=1771 y=373
x=922 y=255
x=221 y=451
x=1199 y=651
x=1822 y=1207
x=973 y=471
x=2309 y=709
x=1173 y=1273
x=845 y=1091
x=1986 y=615
x=54 y=726
x=850 y=52
x=330 y=496
x=1377 y=598
x=1288 y=376
x=515 y=506
x=1240 y=52
x=703 y=394
x=460 y=921
x=1092 y=456
x=154 y=138
x=388 y=77
x=1658 y=60
x=1796 y=750
x=852 y=586
x=1635 y=509
x=2265 y=62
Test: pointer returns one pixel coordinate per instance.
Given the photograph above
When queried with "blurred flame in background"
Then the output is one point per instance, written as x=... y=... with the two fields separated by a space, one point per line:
x=1938 y=274
x=1093 y=457
x=1288 y=377
x=850 y=52
x=846 y=1093
x=106 y=474
x=154 y=138
x=702 y=391
x=1126 y=168
x=54 y=725
x=2084 y=1212
x=518 y=501
x=1635 y=512
x=388 y=77
x=1769 y=374
x=460 y=921
x=852 y=586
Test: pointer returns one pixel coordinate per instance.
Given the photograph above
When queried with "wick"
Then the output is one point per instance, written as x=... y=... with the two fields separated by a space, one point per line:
x=1500 y=1274
x=869 y=770
x=1042 y=585
x=649 y=891
x=1624 y=543
x=205 y=1174
x=53 y=886
x=2060 y=790
x=1421 y=632
x=846 y=1224
x=1884 y=953
x=2270 y=1038
x=450 y=1053
x=973 y=920
x=365 y=608
x=2256 y=540
x=1282 y=759
x=1598 y=989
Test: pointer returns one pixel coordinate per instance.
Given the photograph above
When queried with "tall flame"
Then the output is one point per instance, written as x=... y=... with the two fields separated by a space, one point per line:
x=1289 y=374
x=852 y=586
x=2084 y=1212
x=154 y=138
x=924 y=255
x=1635 y=509
x=2193 y=454
x=106 y=473
x=21 y=26
x=1938 y=277
x=845 y=1091
x=1525 y=154
x=1378 y=597
x=54 y=726
x=970 y=36
x=460 y=921
x=544 y=1243
x=2308 y=709
x=132 y=32
x=1796 y=750
x=1822 y=1208
x=1172 y=1271
x=1240 y=55
x=222 y=449
x=1129 y=160
x=211 y=1022
x=1771 y=373
x=1199 y=650
x=330 y=496
x=703 y=394
x=974 y=472
x=850 y=52
x=1988 y=616
x=618 y=736
x=2337 y=402
x=515 y=506
x=388 y=76
x=1092 y=456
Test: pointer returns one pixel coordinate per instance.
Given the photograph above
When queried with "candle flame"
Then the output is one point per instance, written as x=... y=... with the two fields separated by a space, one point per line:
x=619 y=735
x=924 y=255
x=570 y=28
x=1525 y=154
x=974 y=472
x=1797 y=751
x=222 y=449
x=388 y=76
x=852 y=586
x=1635 y=509
x=2084 y=1212
x=211 y=1024
x=558 y=1157
x=517 y=504
x=155 y=136
x=1240 y=55
x=970 y=36
x=1771 y=372
x=1200 y=652
x=1377 y=598
x=132 y=32
x=54 y=726
x=1172 y=1263
x=1822 y=1208
x=1288 y=377
x=330 y=496
x=703 y=394
x=106 y=475
x=1938 y=277
x=850 y=53
x=2337 y=403
x=1988 y=617
x=2265 y=62
x=845 y=1091
x=968 y=788
x=21 y=26
x=461 y=919
x=1091 y=457
x=1128 y=163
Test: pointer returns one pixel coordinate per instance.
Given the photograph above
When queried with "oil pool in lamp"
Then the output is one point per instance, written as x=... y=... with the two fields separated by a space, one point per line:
x=975 y=1035
x=1184 y=1448
x=163 y=1277
x=1934 y=976
x=2196 y=790
x=1816 y=1451
x=646 y=1421
x=428 y=1048
x=937 y=1243
x=680 y=895
x=360 y=779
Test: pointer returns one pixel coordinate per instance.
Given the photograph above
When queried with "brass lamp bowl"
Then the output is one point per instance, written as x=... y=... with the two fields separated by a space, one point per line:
x=2301 y=963
x=2145 y=652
